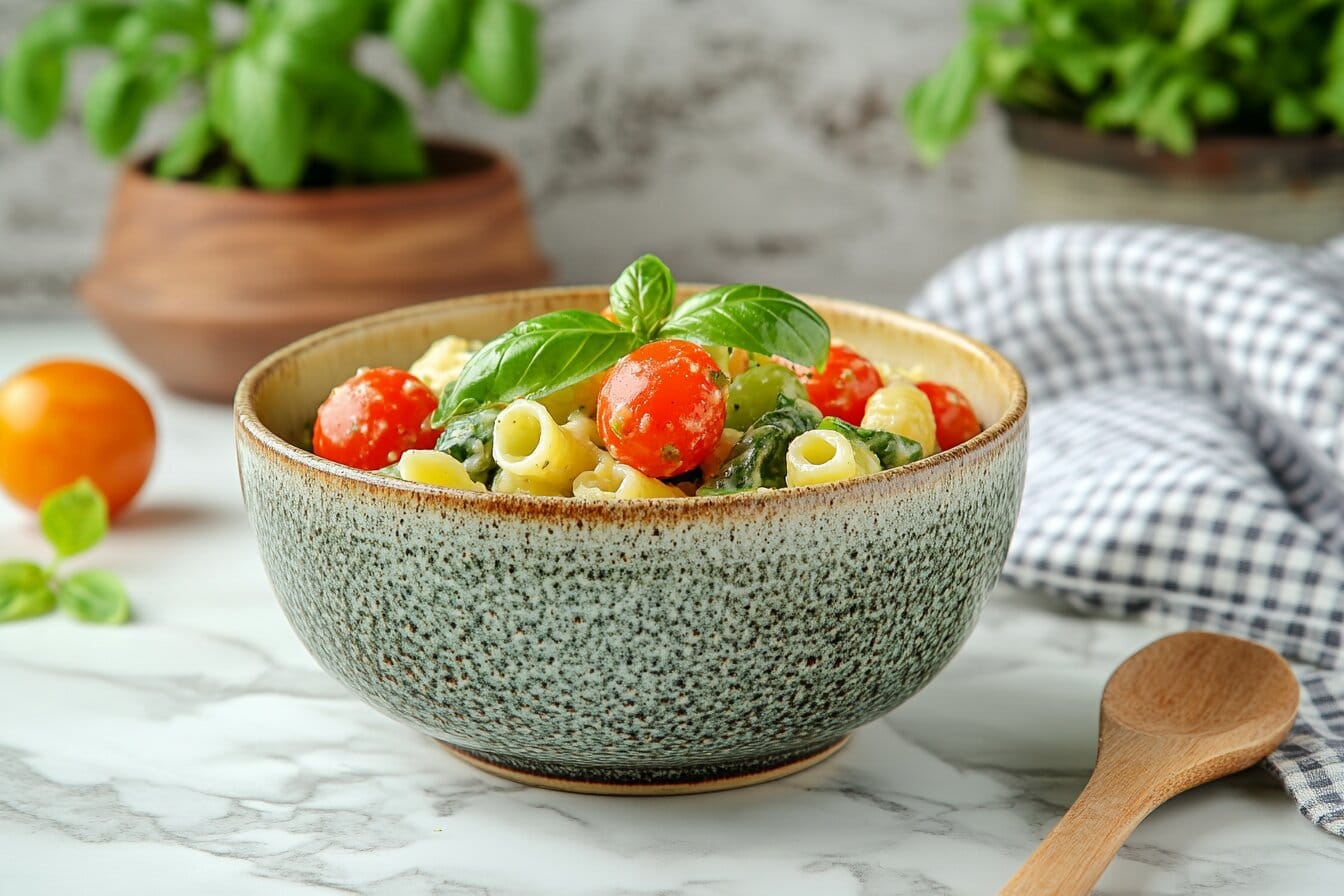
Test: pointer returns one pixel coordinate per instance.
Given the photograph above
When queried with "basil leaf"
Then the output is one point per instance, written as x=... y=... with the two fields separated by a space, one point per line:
x=641 y=298
x=270 y=134
x=501 y=61
x=538 y=357
x=115 y=105
x=760 y=319
x=74 y=518
x=429 y=34
x=23 y=591
x=941 y=108
x=33 y=78
x=1204 y=20
x=185 y=155
x=94 y=596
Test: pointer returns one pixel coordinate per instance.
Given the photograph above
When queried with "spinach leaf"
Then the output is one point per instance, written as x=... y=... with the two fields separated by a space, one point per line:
x=892 y=450
x=760 y=319
x=760 y=457
x=641 y=298
x=538 y=357
x=470 y=438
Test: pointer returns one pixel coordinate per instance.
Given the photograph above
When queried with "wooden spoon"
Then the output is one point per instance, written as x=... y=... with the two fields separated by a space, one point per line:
x=1182 y=711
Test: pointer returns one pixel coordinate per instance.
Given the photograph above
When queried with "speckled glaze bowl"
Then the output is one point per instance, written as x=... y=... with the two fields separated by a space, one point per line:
x=637 y=646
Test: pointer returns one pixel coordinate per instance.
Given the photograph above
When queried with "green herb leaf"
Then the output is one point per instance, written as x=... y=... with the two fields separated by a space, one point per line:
x=184 y=156
x=760 y=457
x=271 y=134
x=94 y=596
x=470 y=438
x=430 y=35
x=23 y=591
x=760 y=319
x=1204 y=20
x=941 y=107
x=641 y=298
x=33 y=79
x=501 y=60
x=891 y=449
x=114 y=107
x=74 y=518
x=538 y=357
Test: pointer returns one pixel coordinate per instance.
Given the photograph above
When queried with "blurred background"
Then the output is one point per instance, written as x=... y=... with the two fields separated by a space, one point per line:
x=753 y=140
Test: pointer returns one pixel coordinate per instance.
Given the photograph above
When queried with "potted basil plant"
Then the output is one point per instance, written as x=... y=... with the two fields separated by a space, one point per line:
x=299 y=192
x=1224 y=113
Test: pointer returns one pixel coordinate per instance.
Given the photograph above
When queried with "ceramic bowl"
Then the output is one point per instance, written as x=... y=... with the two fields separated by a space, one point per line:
x=636 y=646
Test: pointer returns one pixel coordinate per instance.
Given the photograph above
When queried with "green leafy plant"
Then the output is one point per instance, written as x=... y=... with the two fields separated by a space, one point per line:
x=284 y=103
x=557 y=350
x=1165 y=70
x=73 y=519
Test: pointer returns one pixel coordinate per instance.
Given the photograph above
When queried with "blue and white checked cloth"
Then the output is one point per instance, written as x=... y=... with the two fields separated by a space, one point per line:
x=1187 y=441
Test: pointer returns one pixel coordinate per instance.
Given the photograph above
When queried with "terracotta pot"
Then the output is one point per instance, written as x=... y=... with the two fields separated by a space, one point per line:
x=199 y=283
x=1280 y=188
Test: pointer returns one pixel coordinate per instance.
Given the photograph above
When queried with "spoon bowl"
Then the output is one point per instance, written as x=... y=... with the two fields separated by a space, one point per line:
x=1182 y=711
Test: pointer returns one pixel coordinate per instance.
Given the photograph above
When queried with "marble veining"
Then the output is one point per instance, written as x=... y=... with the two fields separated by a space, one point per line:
x=201 y=750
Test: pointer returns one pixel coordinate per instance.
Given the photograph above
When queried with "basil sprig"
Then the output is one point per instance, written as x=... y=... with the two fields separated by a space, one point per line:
x=557 y=350
x=760 y=319
x=73 y=519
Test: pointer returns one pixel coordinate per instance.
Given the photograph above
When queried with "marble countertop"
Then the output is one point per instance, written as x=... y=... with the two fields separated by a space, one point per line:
x=200 y=750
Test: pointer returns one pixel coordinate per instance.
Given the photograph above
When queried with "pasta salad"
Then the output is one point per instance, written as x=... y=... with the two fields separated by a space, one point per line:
x=736 y=389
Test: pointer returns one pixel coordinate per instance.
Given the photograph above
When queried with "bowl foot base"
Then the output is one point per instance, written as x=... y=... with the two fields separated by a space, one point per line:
x=637 y=782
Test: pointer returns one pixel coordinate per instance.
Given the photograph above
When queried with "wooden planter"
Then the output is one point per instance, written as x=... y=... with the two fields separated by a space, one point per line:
x=200 y=283
x=1281 y=188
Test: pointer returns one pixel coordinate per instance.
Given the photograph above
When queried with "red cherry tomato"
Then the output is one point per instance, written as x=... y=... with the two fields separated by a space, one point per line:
x=952 y=414
x=371 y=418
x=842 y=388
x=661 y=409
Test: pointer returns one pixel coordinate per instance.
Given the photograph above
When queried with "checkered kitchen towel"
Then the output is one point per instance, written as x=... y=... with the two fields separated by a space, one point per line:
x=1187 y=441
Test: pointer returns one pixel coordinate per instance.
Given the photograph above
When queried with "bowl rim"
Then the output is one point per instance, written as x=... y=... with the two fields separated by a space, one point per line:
x=248 y=426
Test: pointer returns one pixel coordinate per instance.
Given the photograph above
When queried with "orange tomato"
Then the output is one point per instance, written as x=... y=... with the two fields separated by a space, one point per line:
x=61 y=420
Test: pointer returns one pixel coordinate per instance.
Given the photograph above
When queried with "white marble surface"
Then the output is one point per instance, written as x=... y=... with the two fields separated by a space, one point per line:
x=199 y=750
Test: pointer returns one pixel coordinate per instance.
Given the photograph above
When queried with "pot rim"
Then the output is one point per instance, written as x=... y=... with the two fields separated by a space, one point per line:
x=1216 y=157
x=496 y=167
x=249 y=428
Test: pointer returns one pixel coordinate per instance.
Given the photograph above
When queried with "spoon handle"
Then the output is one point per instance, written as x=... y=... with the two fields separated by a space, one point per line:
x=1071 y=859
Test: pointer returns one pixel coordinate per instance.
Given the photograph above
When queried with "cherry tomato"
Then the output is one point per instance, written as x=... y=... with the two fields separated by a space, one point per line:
x=61 y=420
x=842 y=388
x=371 y=418
x=661 y=409
x=952 y=413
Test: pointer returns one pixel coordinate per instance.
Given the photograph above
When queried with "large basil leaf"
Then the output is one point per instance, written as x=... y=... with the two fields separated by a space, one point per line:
x=760 y=319
x=116 y=103
x=642 y=296
x=538 y=357
x=941 y=107
x=269 y=122
x=501 y=60
x=429 y=34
